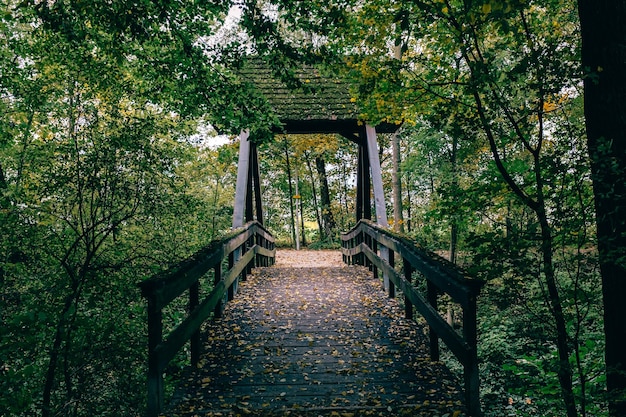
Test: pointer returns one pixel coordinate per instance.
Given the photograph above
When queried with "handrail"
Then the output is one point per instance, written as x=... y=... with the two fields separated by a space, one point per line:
x=244 y=248
x=361 y=246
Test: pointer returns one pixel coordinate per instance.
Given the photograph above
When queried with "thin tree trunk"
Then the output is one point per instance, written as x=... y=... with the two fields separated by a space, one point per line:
x=409 y=202
x=314 y=190
x=454 y=221
x=345 y=192
x=302 y=222
x=327 y=214
x=214 y=216
x=53 y=360
x=291 y=207
x=398 y=218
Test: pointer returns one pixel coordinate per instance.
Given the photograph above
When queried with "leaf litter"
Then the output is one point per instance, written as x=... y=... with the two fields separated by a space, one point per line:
x=312 y=336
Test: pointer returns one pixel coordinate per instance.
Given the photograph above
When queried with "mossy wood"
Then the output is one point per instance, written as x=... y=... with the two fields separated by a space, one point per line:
x=308 y=99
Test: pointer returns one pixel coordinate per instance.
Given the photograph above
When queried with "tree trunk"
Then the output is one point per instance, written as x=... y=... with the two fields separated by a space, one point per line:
x=61 y=335
x=327 y=215
x=291 y=208
x=398 y=218
x=454 y=222
x=302 y=222
x=603 y=31
x=565 y=368
x=408 y=205
x=538 y=206
x=314 y=190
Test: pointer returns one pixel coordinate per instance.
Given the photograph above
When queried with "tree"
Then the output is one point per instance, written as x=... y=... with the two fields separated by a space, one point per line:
x=97 y=103
x=603 y=35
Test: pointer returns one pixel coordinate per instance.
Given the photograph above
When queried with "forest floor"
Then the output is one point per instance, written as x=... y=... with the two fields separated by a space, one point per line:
x=313 y=337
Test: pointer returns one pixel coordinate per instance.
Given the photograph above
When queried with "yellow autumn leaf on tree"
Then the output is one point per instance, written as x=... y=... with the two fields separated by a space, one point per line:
x=487 y=8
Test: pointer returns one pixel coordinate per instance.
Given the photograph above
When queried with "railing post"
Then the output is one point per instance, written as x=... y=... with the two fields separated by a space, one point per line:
x=155 y=377
x=471 y=375
x=373 y=243
x=392 y=263
x=367 y=239
x=194 y=300
x=361 y=256
x=432 y=291
x=231 y=263
x=408 y=275
x=258 y=259
x=244 y=272
x=271 y=246
x=217 y=277
x=252 y=263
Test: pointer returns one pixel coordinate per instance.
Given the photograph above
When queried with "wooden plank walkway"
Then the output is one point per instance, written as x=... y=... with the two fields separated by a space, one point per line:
x=312 y=336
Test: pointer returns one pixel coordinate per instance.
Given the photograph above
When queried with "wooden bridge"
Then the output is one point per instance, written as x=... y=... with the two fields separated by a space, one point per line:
x=316 y=334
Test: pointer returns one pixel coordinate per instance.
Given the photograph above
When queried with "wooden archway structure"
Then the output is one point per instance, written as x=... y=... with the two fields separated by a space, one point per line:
x=321 y=106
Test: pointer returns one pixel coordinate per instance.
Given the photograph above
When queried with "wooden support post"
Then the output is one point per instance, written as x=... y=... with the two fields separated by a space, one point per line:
x=195 y=345
x=368 y=242
x=244 y=272
x=231 y=263
x=379 y=193
x=359 y=185
x=408 y=275
x=374 y=245
x=249 y=194
x=242 y=179
x=363 y=202
x=471 y=375
x=217 y=277
x=155 y=377
x=431 y=295
x=377 y=178
x=241 y=189
x=250 y=245
x=392 y=263
x=256 y=175
x=258 y=259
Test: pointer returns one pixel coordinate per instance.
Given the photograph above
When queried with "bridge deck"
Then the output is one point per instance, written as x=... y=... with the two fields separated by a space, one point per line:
x=314 y=337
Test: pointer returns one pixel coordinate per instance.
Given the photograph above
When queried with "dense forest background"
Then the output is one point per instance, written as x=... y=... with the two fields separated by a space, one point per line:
x=109 y=173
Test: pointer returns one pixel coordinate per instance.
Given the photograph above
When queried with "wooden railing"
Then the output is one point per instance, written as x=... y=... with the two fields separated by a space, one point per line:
x=245 y=248
x=368 y=244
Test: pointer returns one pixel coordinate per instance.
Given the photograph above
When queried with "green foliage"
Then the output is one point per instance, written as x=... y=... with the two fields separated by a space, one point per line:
x=99 y=188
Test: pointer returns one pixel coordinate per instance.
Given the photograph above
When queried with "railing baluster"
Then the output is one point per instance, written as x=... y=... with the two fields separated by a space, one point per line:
x=373 y=244
x=155 y=377
x=408 y=275
x=431 y=296
x=231 y=263
x=392 y=263
x=472 y=380
x=194 y=301
x=217 y=277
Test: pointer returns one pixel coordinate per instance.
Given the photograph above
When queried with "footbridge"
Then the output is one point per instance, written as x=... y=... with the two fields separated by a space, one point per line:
x=312 y=333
